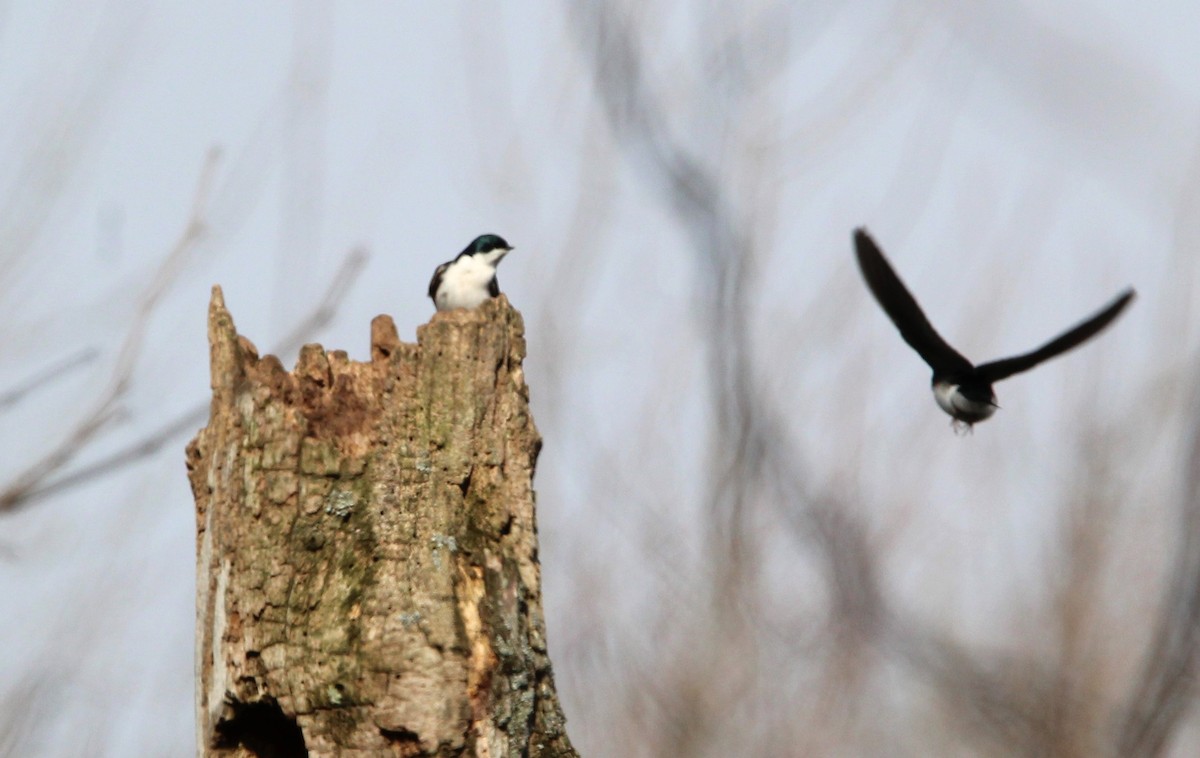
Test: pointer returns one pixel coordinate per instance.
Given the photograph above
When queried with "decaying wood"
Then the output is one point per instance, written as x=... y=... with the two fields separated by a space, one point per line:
x=367 y=550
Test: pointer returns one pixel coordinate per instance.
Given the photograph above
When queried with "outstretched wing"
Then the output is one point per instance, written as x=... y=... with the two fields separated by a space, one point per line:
x=903 y=310
x=997 y=370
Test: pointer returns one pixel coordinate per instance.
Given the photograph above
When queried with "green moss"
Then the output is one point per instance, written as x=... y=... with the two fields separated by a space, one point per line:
x=356 y=571
x=342 y=725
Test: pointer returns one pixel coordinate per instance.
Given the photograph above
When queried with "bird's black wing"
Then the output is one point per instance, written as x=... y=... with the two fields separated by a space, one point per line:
x=437 y=280
x=994 y=371
x=903 y=310
x=493 y=287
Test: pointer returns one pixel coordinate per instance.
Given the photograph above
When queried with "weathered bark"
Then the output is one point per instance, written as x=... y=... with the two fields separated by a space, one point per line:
x=367 y=570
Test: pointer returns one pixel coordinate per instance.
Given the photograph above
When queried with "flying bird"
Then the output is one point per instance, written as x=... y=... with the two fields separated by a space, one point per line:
x=961 y=388
x=469 y=279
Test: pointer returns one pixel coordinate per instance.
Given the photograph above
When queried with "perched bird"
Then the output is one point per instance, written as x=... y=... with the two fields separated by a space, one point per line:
x=961 y=389
x=470 y=278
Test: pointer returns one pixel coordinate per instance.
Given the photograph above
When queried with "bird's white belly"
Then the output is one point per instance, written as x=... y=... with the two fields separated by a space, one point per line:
x=465 y=284
x=457 y=293
x=953 y=402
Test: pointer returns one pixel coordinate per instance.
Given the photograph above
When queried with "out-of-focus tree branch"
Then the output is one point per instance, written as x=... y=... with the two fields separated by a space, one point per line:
x=106 y=407
x=60 y=128
x=47 y=376
x=1165 y=689
x=757 y=472
x=1050 y=698
x=347 y=273
x=187 y=421
x=41 y=479
x=690 y=185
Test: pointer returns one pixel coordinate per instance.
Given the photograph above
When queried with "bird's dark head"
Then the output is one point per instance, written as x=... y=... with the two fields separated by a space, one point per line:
x=486 y=243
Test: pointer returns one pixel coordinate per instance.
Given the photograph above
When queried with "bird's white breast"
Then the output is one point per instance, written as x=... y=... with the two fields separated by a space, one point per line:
x=465 y=281
x=953 y=402
x=944 y=395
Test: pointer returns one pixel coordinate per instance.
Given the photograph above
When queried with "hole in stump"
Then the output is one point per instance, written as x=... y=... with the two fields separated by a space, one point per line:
x=263 y=729
x=406 y=743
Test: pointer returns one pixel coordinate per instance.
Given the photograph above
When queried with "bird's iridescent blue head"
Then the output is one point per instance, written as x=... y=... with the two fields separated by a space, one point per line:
x=485 y=243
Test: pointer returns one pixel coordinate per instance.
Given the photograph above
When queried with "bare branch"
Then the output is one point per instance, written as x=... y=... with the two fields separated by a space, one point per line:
x=1167 y=681
x=106 y=407
x=194 y=416
x=347 y=273
x=47 y=376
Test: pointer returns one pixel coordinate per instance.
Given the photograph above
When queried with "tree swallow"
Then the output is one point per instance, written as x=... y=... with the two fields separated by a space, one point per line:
x=470 y=278
x=961 y=389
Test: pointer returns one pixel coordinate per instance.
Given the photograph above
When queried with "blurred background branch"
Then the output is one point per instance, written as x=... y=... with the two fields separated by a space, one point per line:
x=178 y=427
x=107 y=405
x=700 y=151
x=47 y=375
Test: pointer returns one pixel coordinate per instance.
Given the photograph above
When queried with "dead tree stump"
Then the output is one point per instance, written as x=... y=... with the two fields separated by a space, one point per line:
x=368 y=579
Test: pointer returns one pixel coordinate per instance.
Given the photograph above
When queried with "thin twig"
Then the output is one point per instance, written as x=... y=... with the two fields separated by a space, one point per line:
x=106 y=407
x=47 y=376
x=1166 y=682
x=347 y=273
x=194 y=416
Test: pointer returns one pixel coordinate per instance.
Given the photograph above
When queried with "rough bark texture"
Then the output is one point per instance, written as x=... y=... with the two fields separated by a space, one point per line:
x=367 y=570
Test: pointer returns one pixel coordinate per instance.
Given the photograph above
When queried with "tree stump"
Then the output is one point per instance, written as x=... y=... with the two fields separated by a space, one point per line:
x=368 y=579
